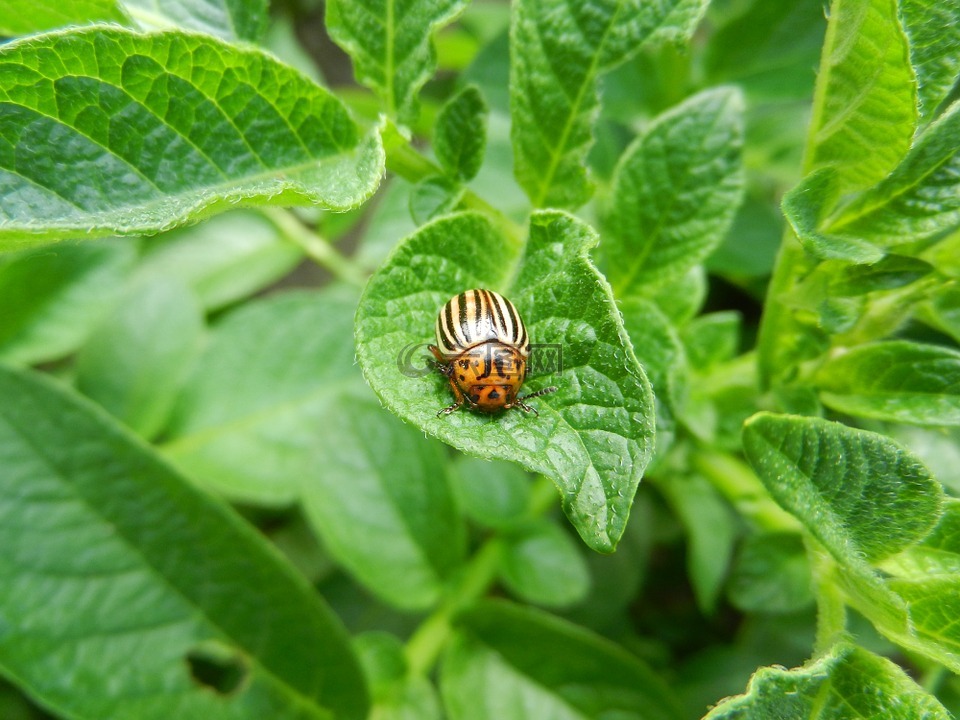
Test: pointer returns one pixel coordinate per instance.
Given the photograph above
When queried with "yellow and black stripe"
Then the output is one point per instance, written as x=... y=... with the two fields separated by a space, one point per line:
x=478 y=316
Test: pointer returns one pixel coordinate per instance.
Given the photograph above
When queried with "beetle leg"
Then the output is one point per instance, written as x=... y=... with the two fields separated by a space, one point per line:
x=519 y=403
x=442 y=365
x=458 y=396
x=449 y=409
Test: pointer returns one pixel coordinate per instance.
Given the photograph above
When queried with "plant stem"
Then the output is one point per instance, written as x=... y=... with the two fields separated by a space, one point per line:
x=933 y=679
x=777 y=359
x=316 y=248
x=425 y=644
x=791 y=263
x=406 y=161
x=403 y=159
x=734 y=479
x=831 y=606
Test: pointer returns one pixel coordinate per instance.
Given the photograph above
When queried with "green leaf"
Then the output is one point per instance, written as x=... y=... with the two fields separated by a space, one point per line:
x=380 y=500
x=224 y=259
x=849 y=682
x=938 y=554
x=933 y=29
x=897 y=380
x=89 y=577
x=712 y=338
x=771 y=574
x=680 y=299
x=711 y=532
x=504 y=652
x=276 y=412
x=52 y=299
x=915 y=204
x=542 y=565
x=914 y=613
x=136 y=360
x=930 y=607
x=920 y=199
x=945 y=308
x=805 y=207
x=396 y=694
x=229 y=19
x=860 y=494
x=558 y=51
x=389 y=221
x=865 y=103
x=594 y=437
x=267 y=369
x=22 y=17
x=460 y=134
x=432 y=197
x=890 y=273
x=495 y=494
x=108 y=131
x=676 y=190
x=769 y=50
x=750 y=247
x=390 y=44
x=658 y=347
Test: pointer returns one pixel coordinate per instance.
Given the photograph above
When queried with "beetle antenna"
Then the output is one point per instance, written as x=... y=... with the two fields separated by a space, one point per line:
x=538 y=393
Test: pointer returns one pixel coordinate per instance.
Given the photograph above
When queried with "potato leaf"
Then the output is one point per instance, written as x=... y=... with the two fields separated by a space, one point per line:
x=390 y=44
x=107 y=131
x=859 y=493
x=558 y=51
x=89 y=577
x=594 y=437
x=896 y=380
x=849 y=682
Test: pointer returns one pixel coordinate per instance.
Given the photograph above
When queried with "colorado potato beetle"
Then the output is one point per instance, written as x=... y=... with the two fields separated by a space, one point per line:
x=482 y=349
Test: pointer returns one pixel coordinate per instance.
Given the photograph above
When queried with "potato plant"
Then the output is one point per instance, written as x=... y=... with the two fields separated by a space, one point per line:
x=733 y=232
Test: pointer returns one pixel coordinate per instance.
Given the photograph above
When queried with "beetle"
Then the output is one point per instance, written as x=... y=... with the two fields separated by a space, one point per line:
x=482 y=349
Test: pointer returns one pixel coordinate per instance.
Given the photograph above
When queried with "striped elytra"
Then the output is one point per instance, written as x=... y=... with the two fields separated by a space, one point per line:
x=482 y=349
x=478 y=316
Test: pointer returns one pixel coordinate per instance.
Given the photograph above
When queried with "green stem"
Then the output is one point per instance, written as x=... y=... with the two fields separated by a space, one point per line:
x=734 y=479
x=316 y=248
x=933 y=679
x=425 y=644
x=406 y=161
x=831 y=605
x=776 y=360
x=403 y=159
